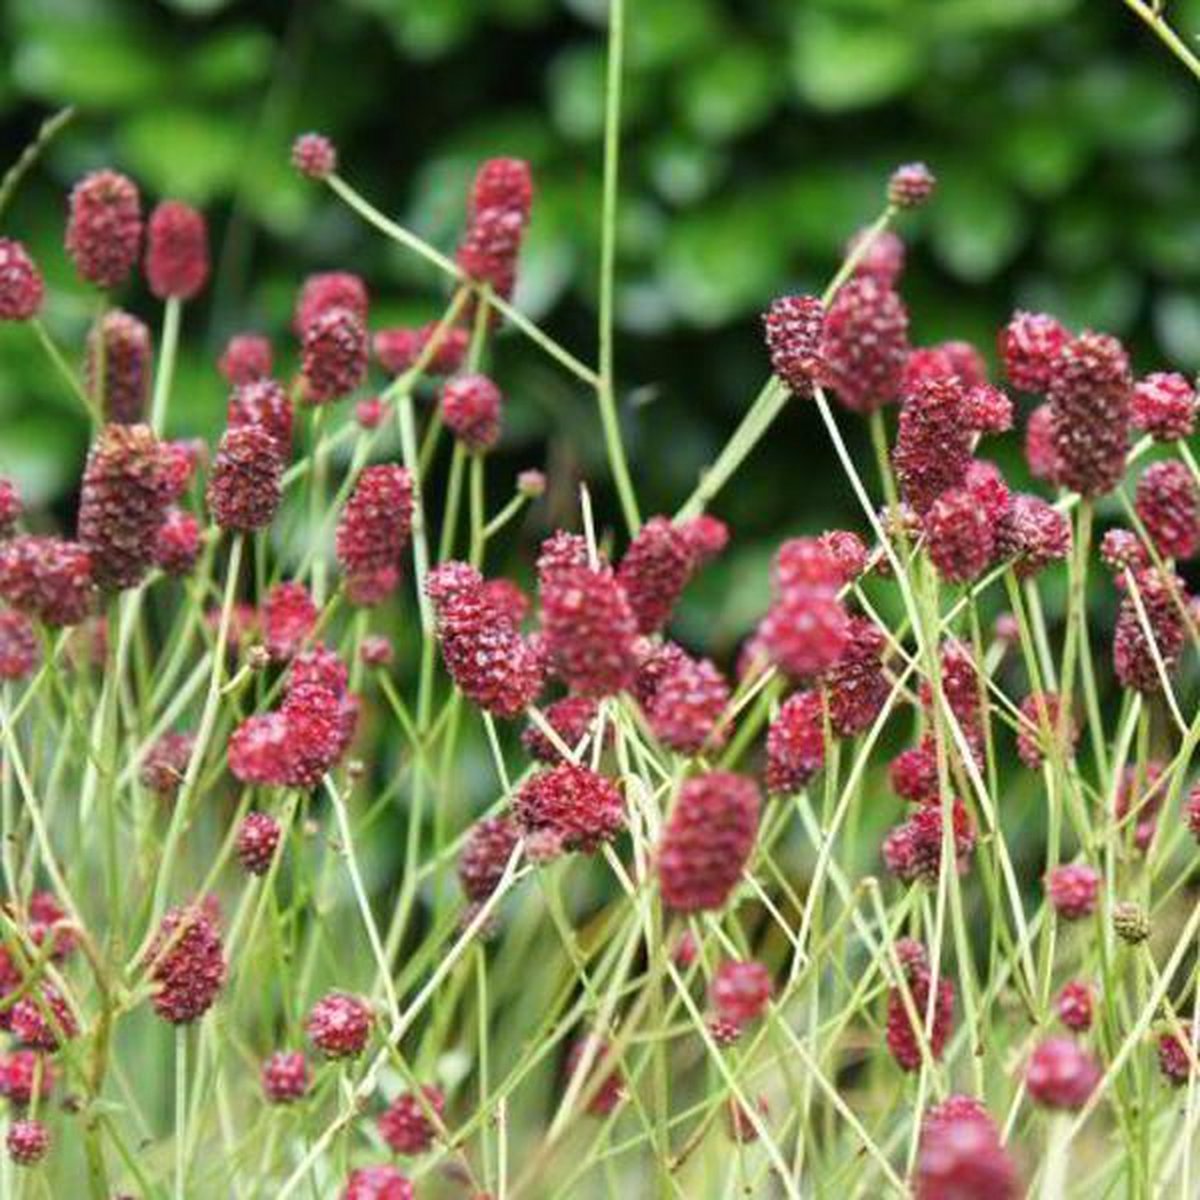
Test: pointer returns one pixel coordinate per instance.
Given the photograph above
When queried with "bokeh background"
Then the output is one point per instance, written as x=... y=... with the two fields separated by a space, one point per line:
x=758 y=136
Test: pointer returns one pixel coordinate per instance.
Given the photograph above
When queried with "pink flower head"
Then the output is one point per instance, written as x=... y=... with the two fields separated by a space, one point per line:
x=314 y=156
x=176 y=251
x=1061 y=1074
x=654 y=571
x=1164 y=406
x=574 y=805
x=21 y=284
x=247 y=357
x=1073 y=891
x=864 y=344
x=471 y=411
x=104 y=228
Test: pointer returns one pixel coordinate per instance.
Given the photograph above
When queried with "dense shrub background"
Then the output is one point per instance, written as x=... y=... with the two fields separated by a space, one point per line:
x=757 y=136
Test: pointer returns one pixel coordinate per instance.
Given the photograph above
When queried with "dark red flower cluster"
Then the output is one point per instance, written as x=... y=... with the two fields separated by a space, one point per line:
x=326 y=291
x=10 y=507
x=497 y=214
x=1030 y=345
x=1061 y=1074
x=28 y=1141
x=707 y=841
x=285 y=1077
x=1168 y=505
x=484 y=855
x=187 y=964
x=333 y=355
x=176 y=251
x=569 y=807
x=104 y=227
x=288 y=617
x=655 y=569
x=571 y=718
x=19 y=1076
x=910 y=185
x=740 y=991
x=806 y=629
x=405 y=1125
x=257 y=840
x=1041 y=724
x=381 y=1182
x=796 y=742
x=1154 y=637
x=913 y=773
x=47 y=578
x=263 y=402
x=881 y=259
x=245 y=488
x=42 y=1019
x=1074 y=1006
x=1034 y=534
x=933 y=442
x=373 y=531
x=165 y=764
x=471 y=411
x=864 y=344
x=961 y=1155
x=489 y=660
x=399 y=350
x=339 y=1025
x=961 y=536
x=793 y=327
x=18 y=645
x=1173 y=1059
x=856 y=686
x=314 y=156
x=177 y=543
x=247 y=357
x=21 y=285
x=1041 y=450
x=1073 y=891
x=904 y=1036
x=688 y=704
x=1164 y=406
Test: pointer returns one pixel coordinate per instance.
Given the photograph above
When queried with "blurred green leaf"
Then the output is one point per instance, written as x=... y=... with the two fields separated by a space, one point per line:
x=1131 y=109
x=845 y=64
x=186 y=152
x=976 y=225
x=728 y=92
x=234 y=58
x=1177 y=324
x=575 y=83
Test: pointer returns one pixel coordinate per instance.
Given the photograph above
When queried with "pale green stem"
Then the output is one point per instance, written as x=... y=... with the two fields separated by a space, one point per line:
x=165 y=372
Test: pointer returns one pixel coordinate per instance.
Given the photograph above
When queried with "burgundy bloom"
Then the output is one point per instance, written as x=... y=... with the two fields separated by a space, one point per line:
x=19 y=1072
x=910 y=185
x=1041 y=450
x=245 y=359
x=689 y=702
x=42 y=1020
x=806 y=629
x=166 y=763
x=177 y=543
x=1121 y=550
x=1168 y=503
x=484 y=855
x=881 y=260
x=914 y=772
x=263 y=402
x=104 y=228
x=260 y=749
x=373 y=531
x=589 y=628
x=740 y=991
x=933 y=442
x=864 y=344
x=655 y=570
x=405 y=1126
x=847 y=550
x=325 y=291
x=1089 y=393
x=189 y=967
x=507 y=597
x=257 y=840
x=962 y=1157
x=333 y=355
x=314 y=156
x=18 y=645
x=1030 y=345
x=988 y=409
x=925 y=833
x=961 y=538
x=176 y=251
x=856 y=686
x=1164 y=406
x=1074 y=1006
x=28 y=1141
x=1134 y=657
x=21 y=285
x=117 y=366
x=1073 y=891
x=571 y=718
x=561 y=549
x=382 y=1182
x=903 y=1036
x=370 y=413
x=376 y=650
x=796 y=743
x=1034 y=534
x=245 y=487
x=497 y=214
x=1060 y=1074
x=1173 y=1059
x=339 y=1025
x=399 y=350
x=573 y=805
x=289 y=616
x=793 y=327
x=707 y=841
x=10 y=507
x=285 y=1077
x=471 y=411
x=1039 y=728
x=47 y=578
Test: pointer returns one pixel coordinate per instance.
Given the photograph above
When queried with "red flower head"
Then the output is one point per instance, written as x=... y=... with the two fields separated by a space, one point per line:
x=707 y=841
x=285 y=1077
x=796 y=743
x=246 y=358
x=1030 y=345
x=1173 y=1059
x=177 y=543
x=1073 y=891
x=910 y=185
x=960 y=535
x=42 y=1020
x=793 y=329
x=398 y=350
x=561 y=549
x=1061 y=1074
x=864 y=344
x=925 y=835
x=1074 y=1006
x=1090 y=391
x=740 y=991
x=846 y=549
x=314 y=156
x=1168 y=503
x=405 y=1126
x=369 y=413
x=589 y=628
x=1121 y=550
x=1039 y=728
x=47 y=578
x=933 y=443
x=377 y=1183
x=189 y=967
x=166 y=763
x=333 y=355
x=805 y=631
x=28 y=1141
x=1134 y=657
x=245 y=487
x=962 y=1157
x=21 y=286
x=18 y=645
x=10 y=507
x=572 y=805
x=257 y=840
x=122 y=504
x=571 y=718
x=104 y=228
x=914 y=772
x=19 y=1073
x=122 y=344
x=373 y=531
x=497 y=214
x=263 y=402
x=1041 y=449
x=856 y=686
x=471 y=411
x=903 y=1036
x=988 y=409
x=655 y=570
x=883 y=259
x=1164 y=406
x=325 y=291
x=1034 y=534
x=339 y=1025
x=260 y=749
x=688 y=704
x=484 y=856
x=176 y=251
x=289 y=616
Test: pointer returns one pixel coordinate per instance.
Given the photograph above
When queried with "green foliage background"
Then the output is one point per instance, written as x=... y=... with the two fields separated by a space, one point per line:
x=758 y=134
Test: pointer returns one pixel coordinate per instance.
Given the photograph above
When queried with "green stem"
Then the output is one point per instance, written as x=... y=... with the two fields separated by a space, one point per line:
x=166 y=364
x=61 y=365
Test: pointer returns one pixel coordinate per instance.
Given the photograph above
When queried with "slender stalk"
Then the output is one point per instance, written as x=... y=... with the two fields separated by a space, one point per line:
x=165 y=373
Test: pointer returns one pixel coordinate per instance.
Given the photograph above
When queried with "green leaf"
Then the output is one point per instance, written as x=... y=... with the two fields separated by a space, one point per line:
x=183 y=152
x=575 y=82
x=1131 y=109
x=976 y=225
x=728 y=92
x=1177 y=324
x=840 y=64
x=234 y=58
